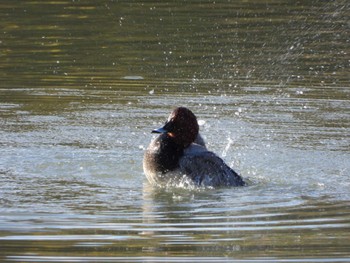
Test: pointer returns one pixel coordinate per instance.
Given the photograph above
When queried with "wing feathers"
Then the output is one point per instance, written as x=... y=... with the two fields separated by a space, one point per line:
x=207 y=169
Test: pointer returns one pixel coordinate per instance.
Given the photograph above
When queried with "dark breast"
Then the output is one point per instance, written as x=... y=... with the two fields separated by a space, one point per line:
x=162 y=155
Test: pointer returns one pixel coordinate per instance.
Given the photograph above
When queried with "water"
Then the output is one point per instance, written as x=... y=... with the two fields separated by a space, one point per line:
x=84 y=83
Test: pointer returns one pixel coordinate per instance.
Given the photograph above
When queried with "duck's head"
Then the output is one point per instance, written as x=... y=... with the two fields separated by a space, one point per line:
x=181 y=125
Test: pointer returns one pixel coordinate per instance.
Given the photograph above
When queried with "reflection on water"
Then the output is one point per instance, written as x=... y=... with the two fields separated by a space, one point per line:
x=84 y=83
x=165 y=224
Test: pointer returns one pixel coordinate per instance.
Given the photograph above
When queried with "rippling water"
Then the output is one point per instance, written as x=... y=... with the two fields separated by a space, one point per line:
x=84 y=83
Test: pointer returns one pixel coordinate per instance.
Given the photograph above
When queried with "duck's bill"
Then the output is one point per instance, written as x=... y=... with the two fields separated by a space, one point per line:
x=160 y=130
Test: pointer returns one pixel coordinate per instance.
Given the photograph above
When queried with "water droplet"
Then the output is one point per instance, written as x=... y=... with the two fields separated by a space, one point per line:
x=201 y=122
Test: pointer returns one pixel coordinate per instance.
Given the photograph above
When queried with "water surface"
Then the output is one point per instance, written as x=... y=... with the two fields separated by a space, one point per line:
x=84 y=83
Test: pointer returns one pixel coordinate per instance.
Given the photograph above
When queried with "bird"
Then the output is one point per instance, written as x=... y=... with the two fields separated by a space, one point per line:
x=179 y=152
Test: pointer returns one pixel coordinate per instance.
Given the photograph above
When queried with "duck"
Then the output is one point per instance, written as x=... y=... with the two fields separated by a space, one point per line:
x=179 y=152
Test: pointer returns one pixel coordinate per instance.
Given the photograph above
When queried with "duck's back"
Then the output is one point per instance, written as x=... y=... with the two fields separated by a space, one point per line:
x=207 y=169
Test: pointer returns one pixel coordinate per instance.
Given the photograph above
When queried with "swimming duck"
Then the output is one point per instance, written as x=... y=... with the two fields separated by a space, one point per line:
x=180 y=152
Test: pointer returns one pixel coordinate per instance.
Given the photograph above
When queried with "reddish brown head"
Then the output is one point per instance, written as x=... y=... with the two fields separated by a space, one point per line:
x=182 y=126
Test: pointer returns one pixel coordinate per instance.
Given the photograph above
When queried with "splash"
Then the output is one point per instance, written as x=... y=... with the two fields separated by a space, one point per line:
x=227 y=147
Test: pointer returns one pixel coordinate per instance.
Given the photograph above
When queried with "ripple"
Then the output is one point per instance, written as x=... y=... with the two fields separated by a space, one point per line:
x=165 y=259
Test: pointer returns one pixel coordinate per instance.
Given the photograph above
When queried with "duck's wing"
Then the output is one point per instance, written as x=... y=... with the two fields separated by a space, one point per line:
x=207 y=169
